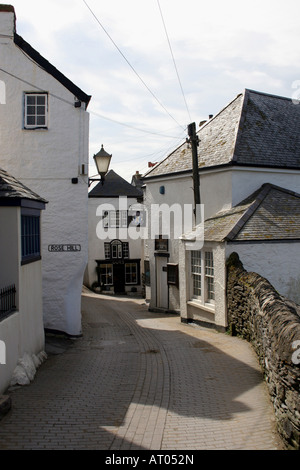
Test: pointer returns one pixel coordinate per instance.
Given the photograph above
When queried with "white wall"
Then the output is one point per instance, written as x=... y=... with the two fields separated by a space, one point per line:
x=279 y=263
x=220 y=190
x=216 y=194
x=178 y=191
x=46 y=161
x=247 y=180
x=23 y=331
x=9 y=246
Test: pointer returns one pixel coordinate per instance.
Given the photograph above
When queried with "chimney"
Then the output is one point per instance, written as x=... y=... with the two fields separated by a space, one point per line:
x=7 y=22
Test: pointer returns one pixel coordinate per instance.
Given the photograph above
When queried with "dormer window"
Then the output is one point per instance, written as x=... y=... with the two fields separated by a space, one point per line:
x=36 y=111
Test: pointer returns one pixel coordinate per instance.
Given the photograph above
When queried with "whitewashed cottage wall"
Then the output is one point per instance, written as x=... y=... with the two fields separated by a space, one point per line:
x=47 y=160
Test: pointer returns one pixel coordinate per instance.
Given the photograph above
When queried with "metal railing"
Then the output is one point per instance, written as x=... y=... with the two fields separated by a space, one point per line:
x=7 y=301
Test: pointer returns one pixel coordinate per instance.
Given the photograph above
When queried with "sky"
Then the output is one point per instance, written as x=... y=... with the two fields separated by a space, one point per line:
x=155 y=66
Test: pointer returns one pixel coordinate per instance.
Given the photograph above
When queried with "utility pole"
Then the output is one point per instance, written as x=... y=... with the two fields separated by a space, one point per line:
x=194 y=141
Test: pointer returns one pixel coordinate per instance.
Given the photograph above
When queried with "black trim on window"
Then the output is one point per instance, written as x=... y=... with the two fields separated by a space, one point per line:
x=30 y=236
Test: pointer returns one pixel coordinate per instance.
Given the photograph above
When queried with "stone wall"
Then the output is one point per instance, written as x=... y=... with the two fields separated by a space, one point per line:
x=271 y=323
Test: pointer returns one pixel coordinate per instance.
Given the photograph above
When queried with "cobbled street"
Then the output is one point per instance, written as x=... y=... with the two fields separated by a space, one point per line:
x=138 y=380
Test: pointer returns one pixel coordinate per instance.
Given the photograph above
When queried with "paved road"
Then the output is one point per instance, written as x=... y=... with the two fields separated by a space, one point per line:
x=138 y=380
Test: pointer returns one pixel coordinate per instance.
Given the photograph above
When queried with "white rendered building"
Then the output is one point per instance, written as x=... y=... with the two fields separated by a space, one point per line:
x=44 y=132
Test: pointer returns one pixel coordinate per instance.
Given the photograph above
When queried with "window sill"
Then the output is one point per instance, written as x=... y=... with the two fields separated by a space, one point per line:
x=207 y=307
x=35 y=128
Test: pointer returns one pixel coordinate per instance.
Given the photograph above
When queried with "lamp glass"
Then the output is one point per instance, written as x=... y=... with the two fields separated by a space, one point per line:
x=102 y=163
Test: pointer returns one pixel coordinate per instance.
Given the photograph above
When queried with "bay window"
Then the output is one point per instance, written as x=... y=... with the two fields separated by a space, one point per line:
x=202 y=276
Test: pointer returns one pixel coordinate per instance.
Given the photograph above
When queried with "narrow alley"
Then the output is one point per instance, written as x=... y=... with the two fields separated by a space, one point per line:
x=137 y=380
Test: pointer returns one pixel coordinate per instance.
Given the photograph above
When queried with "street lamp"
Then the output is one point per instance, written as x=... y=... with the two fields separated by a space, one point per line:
x=102 y=162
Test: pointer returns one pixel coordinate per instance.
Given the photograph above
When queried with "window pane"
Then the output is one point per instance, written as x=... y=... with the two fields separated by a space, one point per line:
x=196 y=262
x=40 y=110
x=196 y=285
x=114 y=251
x=30 y=99
x=30 y=120
x=30 y=236
x=107 y=250
x=124 y=219
x=125 y=250
x=209 y=276
x=196 y=272
x=41 y=121
x=30 y=110
x=41 y=99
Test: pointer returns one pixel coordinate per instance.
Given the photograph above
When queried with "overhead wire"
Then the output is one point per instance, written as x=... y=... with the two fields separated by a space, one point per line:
x=136 y=73
x=132 y=127
x=90 y=111
x=131 y=66
x=174 y=62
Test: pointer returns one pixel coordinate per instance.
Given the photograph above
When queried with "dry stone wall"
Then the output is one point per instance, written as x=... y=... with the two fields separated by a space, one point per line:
x=271 y=323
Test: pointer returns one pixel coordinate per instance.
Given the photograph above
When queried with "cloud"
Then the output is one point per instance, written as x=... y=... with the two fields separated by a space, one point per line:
x=219 y=47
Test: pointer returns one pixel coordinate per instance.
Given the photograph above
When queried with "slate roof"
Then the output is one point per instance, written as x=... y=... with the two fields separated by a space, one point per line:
x=12 y=189
x=115 y=186
x=255 y=129
x=271 y=213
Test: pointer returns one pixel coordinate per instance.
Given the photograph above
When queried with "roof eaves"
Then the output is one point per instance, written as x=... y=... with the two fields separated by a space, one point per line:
x=49 y=68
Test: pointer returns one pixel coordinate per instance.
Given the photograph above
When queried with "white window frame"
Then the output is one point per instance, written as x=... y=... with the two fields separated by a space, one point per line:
x=203 y=273
x=36 y=113
x=116 y=219
x=196 y=274
x=209 y=277
x=116 y=249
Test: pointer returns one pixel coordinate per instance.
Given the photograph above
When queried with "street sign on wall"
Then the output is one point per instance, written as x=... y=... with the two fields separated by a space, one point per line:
x=64 y=248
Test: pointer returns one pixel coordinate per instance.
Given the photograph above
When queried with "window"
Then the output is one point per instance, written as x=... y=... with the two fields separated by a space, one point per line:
x=161 y=243
x=196 y=273
x=116 y=219
x=107 y=250
x=202 y=273
x=116 y=250
x=209 y=277
x=36 y=110
x=30 y=238
x=106 y=274
x=125 y=250
x=172 y=274
x=131 y=274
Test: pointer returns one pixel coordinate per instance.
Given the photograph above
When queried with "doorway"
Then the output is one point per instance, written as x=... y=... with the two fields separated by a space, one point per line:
x=119 y=278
